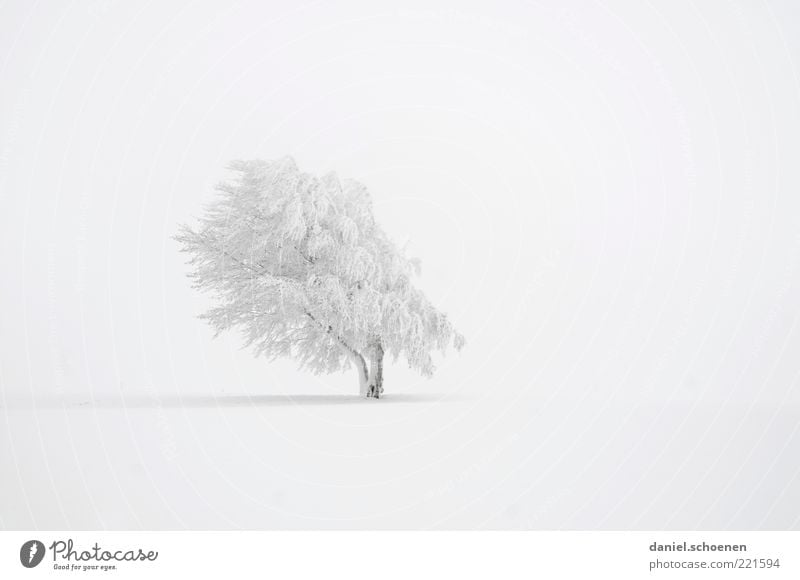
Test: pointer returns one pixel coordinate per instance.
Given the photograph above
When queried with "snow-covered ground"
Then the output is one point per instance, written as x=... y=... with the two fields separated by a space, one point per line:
x=408 y=461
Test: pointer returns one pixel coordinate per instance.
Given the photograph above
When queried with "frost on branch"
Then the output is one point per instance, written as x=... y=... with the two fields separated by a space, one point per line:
x=298 y=264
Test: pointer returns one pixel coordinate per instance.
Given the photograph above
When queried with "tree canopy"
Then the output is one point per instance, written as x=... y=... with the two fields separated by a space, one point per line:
x=299 y=265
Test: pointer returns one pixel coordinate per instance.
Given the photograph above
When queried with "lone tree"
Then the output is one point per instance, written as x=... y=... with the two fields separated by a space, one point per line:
x=298 y=264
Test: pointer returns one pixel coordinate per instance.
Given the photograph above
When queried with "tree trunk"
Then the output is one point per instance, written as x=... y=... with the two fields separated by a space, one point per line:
x=363 y=376
x=375 y=382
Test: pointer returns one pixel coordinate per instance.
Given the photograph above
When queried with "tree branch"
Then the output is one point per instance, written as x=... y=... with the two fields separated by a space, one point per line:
x=214 y=247
x=329 y=330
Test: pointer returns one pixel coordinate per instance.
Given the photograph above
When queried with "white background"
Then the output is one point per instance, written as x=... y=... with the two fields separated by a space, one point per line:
x=604 y=196
x=356 y=555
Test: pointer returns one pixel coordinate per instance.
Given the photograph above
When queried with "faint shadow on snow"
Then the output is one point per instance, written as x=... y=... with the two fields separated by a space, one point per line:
x=190 y=401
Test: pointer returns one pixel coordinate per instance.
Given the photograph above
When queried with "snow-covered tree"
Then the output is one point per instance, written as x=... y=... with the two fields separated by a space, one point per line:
x=300 y=266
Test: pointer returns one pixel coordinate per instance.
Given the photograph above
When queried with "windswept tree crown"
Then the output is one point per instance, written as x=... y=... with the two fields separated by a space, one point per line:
x=299 y=264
